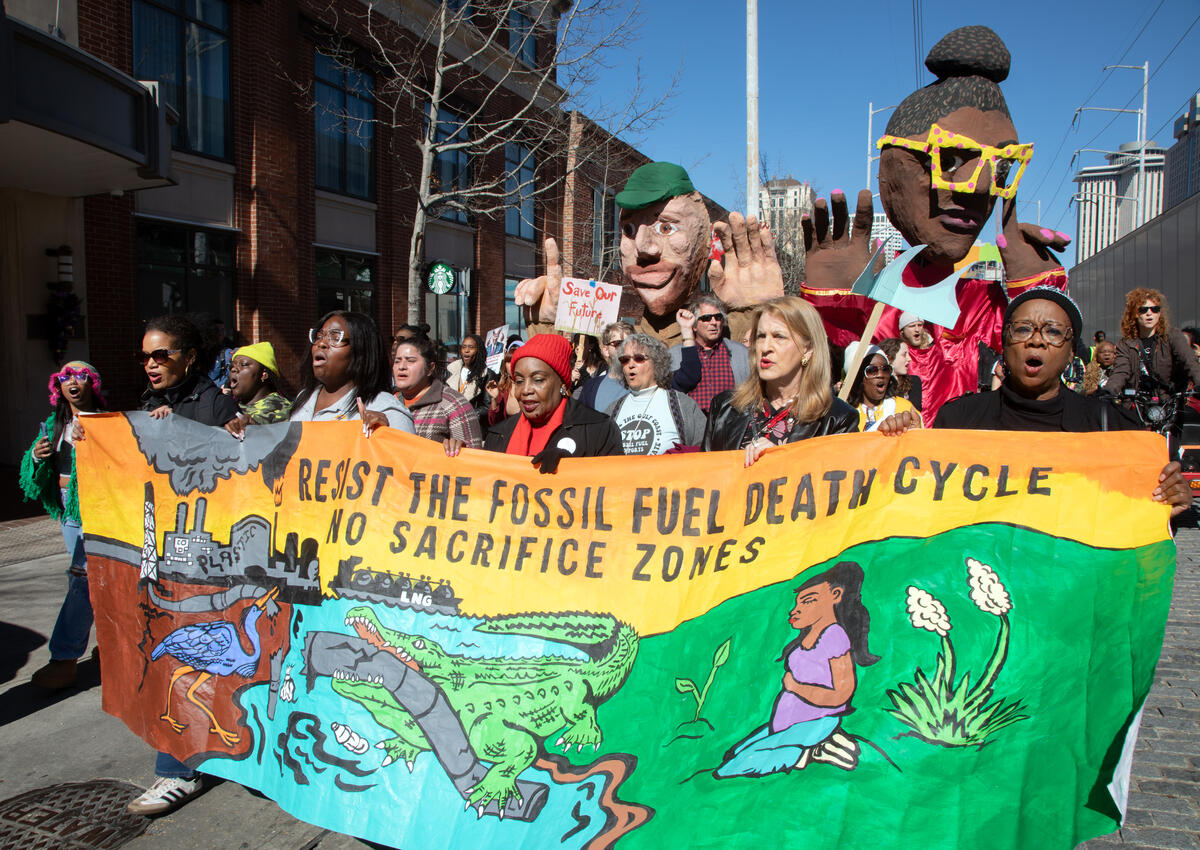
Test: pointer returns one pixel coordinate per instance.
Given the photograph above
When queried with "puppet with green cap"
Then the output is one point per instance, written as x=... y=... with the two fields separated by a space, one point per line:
x=253 y=376
x=666 y=242
x=949 y=156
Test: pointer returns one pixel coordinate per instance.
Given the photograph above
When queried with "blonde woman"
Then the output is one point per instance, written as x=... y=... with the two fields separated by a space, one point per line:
x=787 y=397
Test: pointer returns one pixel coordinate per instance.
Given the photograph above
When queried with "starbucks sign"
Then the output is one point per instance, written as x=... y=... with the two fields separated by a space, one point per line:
x=439 y=278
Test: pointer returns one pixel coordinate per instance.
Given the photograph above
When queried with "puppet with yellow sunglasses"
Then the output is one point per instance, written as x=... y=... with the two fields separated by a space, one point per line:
x=949 y=154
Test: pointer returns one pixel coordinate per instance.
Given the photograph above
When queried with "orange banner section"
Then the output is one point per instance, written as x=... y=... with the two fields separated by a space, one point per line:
x=655 y=541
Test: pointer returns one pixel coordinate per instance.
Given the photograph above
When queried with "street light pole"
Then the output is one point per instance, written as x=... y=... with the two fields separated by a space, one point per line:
x=1143 y=132
x=752 y=187
x=871 y=157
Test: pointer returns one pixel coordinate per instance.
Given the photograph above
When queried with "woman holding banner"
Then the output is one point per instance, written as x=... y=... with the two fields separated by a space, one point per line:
x=550 y=425
x=653 y=418
x=1039 y=326
x=787 y=397
x=346 y=376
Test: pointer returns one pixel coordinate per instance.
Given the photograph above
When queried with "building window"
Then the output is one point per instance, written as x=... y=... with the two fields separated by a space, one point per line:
x=514 y=316
x=345 y=282
x=451 y=168
x=345 y=116
x=184 y=45
x=518 y=164
x=184 y=269
x=520 y=37
x=605 y=241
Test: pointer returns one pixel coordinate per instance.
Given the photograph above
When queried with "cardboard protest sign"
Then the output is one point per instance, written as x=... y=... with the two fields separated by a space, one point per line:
x=859 y=641
x=587 y=306
x=493 y=344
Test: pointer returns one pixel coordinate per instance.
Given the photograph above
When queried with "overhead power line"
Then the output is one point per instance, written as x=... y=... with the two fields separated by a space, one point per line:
x=1136 y=94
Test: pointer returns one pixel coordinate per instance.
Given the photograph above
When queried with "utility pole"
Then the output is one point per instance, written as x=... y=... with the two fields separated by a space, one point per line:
x=871 y=155
x=752 y=187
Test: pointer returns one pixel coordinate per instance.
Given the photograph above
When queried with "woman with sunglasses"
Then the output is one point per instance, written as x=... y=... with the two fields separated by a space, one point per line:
x=439 y=413
x=550 y=425
x=1151 y=356
x=653 y=418
x=874 y=392
x=48 y=476
x=345 y=375
x=177 y=355
x=787 y=397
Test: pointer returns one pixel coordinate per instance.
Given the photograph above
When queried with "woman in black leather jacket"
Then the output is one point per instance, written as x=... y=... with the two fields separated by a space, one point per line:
x=787 y=397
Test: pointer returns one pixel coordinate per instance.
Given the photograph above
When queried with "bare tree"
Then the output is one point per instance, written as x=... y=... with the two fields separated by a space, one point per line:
x=482 y=88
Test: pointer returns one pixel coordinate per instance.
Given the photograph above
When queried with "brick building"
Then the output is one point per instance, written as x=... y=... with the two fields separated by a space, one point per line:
x=284 y=180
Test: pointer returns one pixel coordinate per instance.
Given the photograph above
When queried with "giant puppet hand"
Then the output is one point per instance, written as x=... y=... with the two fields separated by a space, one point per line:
x=751 y=273
x=539 y=295
x=837 y=255
x=1025 y=248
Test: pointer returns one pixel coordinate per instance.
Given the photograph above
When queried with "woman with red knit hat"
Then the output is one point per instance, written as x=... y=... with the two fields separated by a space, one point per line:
x=550 y=425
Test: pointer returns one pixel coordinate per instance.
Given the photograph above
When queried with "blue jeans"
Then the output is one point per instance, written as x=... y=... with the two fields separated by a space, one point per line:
x=70 y=636
x=766 y=752
x=166 y=765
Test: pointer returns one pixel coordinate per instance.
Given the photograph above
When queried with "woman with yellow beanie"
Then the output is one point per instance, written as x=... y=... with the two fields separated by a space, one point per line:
x=253 y=375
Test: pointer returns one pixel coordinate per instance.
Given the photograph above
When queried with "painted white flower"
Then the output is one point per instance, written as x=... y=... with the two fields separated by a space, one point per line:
x=926 y=612
x=987 y=591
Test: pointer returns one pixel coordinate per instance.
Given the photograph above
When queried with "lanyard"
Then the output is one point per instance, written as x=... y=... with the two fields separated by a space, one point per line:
x=774 y=420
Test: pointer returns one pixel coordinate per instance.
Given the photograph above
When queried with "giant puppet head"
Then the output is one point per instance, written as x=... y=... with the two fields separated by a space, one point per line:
x=665 y=236
x=951 y=150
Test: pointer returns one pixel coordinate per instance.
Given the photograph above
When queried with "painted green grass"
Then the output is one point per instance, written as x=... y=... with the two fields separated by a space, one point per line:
x=939 y=796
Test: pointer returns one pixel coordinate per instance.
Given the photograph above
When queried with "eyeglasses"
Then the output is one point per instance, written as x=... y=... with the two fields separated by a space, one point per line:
x=709 y=317
x=875 y=369
x=158 y=355
x=72 y=375
x=636 y=358
x=333 y=338
x=1153 y=309
x=1052 y=334
x=949 y=152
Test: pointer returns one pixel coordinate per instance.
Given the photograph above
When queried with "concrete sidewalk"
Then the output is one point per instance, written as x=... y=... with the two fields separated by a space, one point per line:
x=46 y=740
x=66 y=737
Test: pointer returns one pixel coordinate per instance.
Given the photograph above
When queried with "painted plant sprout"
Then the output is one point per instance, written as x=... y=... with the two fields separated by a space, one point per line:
x=941 y=711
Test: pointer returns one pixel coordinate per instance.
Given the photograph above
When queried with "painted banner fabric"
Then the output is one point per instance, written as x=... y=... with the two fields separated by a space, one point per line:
x=939 y=639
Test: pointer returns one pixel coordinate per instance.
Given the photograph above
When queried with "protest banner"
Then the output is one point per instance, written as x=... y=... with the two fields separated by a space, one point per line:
x=586 y=306
x=937 y=640
x=493 y=345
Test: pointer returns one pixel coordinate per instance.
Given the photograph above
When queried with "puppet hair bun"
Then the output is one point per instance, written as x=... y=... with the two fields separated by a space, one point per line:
x=970 y=52
x=969 y=62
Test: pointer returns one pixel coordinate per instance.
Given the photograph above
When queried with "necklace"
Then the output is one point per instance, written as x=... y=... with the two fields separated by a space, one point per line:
x=649 y=401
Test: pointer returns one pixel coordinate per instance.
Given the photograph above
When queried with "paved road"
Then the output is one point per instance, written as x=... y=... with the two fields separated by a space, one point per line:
x=44 y=740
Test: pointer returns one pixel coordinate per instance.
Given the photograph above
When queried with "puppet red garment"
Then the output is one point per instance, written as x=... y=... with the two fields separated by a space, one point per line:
x=950 y=366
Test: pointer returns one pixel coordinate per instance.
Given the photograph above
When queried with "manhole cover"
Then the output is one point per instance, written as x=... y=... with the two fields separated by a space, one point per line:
x=74 y=816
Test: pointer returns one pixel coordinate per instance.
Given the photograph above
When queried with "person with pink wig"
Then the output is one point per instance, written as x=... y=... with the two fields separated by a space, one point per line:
x=48 y=476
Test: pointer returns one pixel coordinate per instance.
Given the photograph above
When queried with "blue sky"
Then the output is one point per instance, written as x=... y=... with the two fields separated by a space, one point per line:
x=821 y=63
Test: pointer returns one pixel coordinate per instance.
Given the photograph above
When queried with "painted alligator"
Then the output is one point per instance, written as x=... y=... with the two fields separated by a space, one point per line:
x=507 y=706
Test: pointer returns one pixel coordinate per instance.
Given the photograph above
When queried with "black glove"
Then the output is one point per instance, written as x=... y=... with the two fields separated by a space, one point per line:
x=547 y=459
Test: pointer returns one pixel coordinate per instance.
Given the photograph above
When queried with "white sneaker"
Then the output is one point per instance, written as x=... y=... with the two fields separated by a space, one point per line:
x=165 y=794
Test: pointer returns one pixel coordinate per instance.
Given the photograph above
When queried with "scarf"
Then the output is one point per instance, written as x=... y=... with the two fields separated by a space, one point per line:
x=529 y=440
